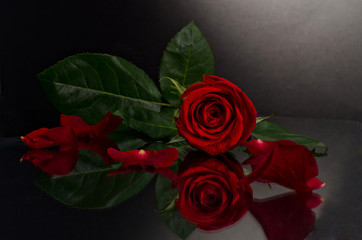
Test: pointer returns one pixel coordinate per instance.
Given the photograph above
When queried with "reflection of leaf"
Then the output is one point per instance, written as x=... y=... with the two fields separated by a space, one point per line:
x=59 y=162
x=269 y=131
x=87 y=186
x=90 y=85
x=165 y=194
x=187 y=57
x=126 y=141
x=177 y=139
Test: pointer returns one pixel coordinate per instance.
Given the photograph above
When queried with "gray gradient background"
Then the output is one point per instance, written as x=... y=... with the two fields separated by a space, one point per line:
x=294 y=58
x=299 y=58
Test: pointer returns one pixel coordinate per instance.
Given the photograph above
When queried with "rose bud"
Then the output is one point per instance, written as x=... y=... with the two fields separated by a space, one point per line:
x=283 y=162
x=44 y=137
x=210 y=193
x=287 y=216
x=216 y=116
x=83 y=130
x=59 y=162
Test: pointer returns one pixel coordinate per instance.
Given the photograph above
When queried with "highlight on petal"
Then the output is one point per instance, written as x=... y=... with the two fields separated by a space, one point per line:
x=160 y=159
x=44 y=137
x=287 y=216
x=59 y=162
x=283 y=162
x=83 y=130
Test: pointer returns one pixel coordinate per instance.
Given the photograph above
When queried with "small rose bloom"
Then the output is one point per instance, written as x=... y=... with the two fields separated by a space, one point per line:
x=44 y=137
x=215 y=116
x=210 y=192
x=83 y=130
x=283 y=162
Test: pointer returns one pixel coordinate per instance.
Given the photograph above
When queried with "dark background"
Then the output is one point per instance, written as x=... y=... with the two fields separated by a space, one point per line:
x=299 y=58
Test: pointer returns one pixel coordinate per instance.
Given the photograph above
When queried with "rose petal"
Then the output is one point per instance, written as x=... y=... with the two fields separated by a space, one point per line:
x=285 y=163
x=53 y=162
x=160 y=159
x=83 y=130
x=44 y=137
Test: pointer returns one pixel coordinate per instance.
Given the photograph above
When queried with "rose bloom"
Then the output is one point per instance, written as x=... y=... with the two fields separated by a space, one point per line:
x=210 y=193
x=216 y=116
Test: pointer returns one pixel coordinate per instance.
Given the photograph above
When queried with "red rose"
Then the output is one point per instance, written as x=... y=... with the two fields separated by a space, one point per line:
x=283 y=162
x=216 y=116
x=210 y=193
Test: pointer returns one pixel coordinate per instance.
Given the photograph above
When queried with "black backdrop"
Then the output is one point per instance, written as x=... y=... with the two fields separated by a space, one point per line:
x=297 y=58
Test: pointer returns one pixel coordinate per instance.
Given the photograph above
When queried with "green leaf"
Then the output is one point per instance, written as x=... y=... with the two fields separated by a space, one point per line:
x=165 y=194
x=177 y=139
x=177 y=85
x=273 y=132
x=187 y=57
x=319 y=154
x=89 y=85
x=246 y=171
x=260 y=119
x=155 y=125
x=87 y=186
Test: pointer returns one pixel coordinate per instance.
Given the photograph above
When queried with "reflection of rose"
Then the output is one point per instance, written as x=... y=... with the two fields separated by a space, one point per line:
x=216 y=116
x=210 y=193
x=286 y=216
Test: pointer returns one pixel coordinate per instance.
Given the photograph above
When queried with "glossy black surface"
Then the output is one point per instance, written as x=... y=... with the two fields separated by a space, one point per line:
x=27 y=212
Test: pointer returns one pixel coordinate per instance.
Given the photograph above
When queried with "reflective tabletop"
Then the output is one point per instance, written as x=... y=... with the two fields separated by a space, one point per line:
x=27 y=211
